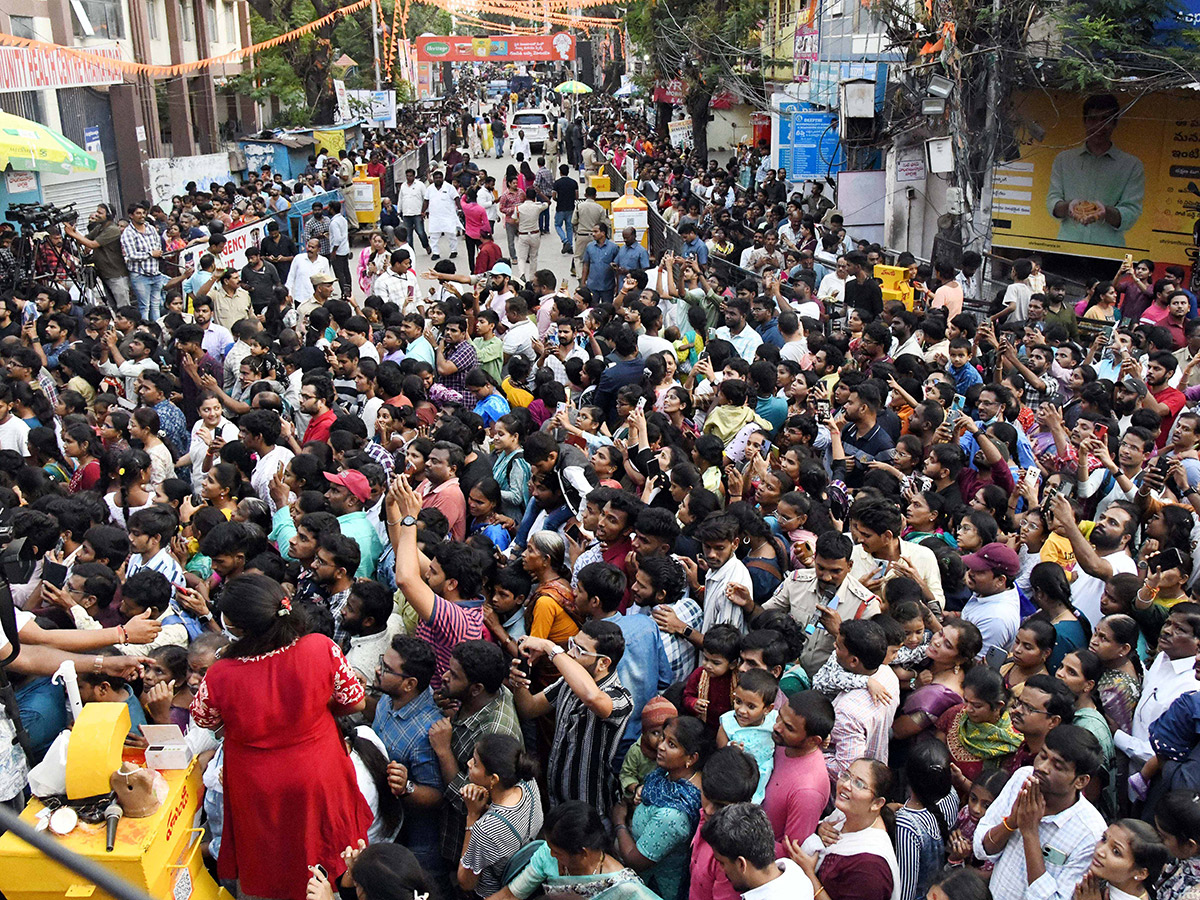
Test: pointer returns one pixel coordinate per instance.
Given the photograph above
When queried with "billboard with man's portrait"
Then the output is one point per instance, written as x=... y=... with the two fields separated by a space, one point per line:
x=1102 y=176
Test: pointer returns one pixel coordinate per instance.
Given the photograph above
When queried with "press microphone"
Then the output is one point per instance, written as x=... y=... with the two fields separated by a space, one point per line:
x=112 y=815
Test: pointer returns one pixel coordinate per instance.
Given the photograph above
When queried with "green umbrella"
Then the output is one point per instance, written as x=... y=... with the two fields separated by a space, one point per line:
x=31 y=147
x=573 y=87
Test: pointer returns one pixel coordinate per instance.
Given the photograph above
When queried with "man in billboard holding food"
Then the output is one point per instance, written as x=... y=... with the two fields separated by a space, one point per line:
x=1096 y=190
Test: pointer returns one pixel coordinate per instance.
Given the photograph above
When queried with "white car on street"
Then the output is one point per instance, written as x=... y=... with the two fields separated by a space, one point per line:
x=535 y=123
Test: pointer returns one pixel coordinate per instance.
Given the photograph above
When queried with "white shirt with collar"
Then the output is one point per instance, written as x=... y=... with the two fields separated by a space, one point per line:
x=411 y=196
x=1165 y=682
x=997 y=617
x=792 y=884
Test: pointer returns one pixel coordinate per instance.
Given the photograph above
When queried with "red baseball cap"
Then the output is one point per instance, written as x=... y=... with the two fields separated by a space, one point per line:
x=995 y=556
x=353 y=481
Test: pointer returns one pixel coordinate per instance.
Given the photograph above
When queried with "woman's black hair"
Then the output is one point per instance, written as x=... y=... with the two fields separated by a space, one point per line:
x=84 y=434
x=253 y=604
x=490 y=490
x=1044 y=635
x=1091 y=667
x=130 y=466
x=574 y=827
x=228 y=477
x=962 y=883
x=387 y=871
x=1051 y=580
x=987 y=684
x=984 y=523
x=504 y=756
x=44 y=442
x=1126 y=631
x=1178 y=814
x=927 y=770
x=692 y=737
x=173 y=658
x=1148 y=850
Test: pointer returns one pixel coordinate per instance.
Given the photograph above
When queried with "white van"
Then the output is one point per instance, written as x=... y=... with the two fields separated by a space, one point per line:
x=534 y=122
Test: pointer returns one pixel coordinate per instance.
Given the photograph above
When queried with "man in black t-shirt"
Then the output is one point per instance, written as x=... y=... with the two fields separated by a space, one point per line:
x=862 y=291
x=566 y=192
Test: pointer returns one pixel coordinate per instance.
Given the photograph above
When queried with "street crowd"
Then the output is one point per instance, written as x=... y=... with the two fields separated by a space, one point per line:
x=704 y=574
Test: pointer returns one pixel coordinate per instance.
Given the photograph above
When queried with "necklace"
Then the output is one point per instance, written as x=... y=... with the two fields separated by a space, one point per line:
x=600 y=865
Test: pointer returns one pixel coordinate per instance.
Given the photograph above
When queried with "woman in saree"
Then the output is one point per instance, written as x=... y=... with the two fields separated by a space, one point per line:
x=951 y=653
x=979 y=731
x=573 y=862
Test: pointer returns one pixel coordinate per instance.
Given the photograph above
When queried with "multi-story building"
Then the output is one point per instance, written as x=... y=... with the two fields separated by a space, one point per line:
x=121 y=115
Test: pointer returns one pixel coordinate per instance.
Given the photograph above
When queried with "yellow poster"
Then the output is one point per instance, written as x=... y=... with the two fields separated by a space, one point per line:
x=481 y=46
x=330 y=141
x=1124 y=180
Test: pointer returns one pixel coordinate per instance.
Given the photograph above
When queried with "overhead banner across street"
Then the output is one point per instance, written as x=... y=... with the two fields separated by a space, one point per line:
x=520 y=47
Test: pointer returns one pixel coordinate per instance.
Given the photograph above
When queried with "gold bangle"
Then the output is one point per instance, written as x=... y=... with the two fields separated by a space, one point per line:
x=819 y=892
x=1007 y=827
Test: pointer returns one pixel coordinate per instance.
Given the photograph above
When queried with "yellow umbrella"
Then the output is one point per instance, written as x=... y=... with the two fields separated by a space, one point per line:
x=573 y=87
x=32 y=147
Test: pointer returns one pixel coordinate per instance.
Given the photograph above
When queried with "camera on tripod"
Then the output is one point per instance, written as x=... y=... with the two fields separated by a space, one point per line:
x=40 y=216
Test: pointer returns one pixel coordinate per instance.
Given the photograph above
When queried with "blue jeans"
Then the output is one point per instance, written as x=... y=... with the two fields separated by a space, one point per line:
x=499 y=147
x=149 y=292
x=562 y=218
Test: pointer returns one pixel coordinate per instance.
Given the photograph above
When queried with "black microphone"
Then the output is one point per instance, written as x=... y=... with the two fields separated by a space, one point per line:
x=112 y=814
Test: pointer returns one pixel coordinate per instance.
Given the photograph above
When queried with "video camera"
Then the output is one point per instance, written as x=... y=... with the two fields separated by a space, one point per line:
x=42 y=215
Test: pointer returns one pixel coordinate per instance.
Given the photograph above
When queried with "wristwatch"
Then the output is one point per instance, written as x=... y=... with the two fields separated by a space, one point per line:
x=408 y=522
x=555 y=652
x=409 y=786
x=206 y=618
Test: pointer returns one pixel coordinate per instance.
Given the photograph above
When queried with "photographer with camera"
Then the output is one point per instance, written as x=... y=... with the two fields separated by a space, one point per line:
x=103 y=238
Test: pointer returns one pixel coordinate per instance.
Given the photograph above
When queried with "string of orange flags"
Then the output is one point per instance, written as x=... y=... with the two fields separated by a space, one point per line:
x=134 y=68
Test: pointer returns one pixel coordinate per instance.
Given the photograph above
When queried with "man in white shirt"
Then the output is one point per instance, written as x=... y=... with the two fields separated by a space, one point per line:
x=743 y=844
x=339 y=246
x=440 y=209
x=300 y=283
x=14 y=432
x=994 y=607
x=520 y=144
x=1041 y=831
x=833 y=286
x=411 y=199
x=522 y=331
x=1170 y=676
x=398 y=284
x=259 y=431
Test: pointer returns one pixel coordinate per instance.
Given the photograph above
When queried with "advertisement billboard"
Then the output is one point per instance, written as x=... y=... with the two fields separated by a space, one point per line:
x=1125 y=180
x=522 y=47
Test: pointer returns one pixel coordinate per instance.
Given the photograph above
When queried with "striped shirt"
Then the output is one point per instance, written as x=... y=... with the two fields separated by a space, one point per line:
x=499 y=833
x=580 y=765
x=498 y=717
x=137 y=247
x=862 y=727
x=449 y=626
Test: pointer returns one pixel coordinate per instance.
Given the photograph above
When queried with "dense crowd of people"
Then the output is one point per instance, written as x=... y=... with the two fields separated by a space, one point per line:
x=681 y=581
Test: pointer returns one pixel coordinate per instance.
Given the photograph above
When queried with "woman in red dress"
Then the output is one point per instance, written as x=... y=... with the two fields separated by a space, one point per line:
x=291 y=796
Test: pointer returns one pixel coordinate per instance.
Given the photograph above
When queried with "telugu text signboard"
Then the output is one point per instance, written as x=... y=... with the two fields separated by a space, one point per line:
x=1056 y=196
x=808 y=143
x=522 y=47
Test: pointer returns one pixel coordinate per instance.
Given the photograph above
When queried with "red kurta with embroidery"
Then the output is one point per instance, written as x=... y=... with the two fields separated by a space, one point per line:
x=291 y=796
